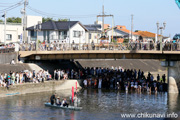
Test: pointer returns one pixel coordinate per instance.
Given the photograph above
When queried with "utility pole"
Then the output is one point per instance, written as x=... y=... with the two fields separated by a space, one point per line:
x=103 y=19
x=103 y=16
x=132 y=26
x=5 y=27
x=25 y=22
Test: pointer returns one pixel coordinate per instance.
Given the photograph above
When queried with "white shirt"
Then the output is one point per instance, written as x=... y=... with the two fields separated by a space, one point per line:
x=85 y=82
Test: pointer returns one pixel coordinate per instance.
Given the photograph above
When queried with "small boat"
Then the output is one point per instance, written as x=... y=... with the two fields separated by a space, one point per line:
x=61 y=107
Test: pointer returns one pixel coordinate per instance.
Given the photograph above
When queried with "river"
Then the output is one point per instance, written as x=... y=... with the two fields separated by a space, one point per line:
x=97 y=105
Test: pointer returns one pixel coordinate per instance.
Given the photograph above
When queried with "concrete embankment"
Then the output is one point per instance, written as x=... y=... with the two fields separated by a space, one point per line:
x=7 y=57
x=39 y=87
x=6 y=68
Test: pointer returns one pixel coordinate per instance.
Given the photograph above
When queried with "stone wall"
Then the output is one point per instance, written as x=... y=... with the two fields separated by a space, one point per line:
x=39 y=87
x=7 y=57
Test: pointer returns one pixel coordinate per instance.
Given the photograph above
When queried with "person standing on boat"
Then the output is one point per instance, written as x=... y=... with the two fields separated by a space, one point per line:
x=64 y=103
x=75 y=99
x=52 y=99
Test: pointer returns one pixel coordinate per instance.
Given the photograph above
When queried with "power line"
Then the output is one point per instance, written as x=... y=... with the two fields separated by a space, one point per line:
x=12 y=6
x=8 y=3
x=58 y=15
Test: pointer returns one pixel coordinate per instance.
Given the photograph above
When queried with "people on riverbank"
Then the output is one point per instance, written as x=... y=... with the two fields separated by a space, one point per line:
x=128 y=80
x=67 y=74
x=12 y=78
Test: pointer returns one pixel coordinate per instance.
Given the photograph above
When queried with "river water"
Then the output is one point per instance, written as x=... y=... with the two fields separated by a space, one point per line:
x=97 y=105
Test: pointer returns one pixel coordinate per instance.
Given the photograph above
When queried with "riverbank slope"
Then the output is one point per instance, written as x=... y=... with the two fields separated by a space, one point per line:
x=39 y=87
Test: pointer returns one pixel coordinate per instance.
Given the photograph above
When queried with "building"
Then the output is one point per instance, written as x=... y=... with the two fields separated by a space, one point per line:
x=94 y=33
x=33 y=20
x=63 y=31
x=106 y=26
x=14 y=31
x=145 y=36
x=120 y=33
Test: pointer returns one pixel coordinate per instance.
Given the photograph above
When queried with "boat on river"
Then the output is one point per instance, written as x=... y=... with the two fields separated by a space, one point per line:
x=61 y=107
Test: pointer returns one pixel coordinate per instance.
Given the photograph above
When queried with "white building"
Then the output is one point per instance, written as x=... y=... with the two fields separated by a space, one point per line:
x=14 y=31
x=62 y=31
x=33 y=20
x=94 y=33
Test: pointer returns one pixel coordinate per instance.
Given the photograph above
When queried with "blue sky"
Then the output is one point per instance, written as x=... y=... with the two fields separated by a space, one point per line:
x=146 y=12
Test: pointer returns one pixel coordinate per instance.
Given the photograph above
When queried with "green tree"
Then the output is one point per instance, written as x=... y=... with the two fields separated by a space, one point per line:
x=1 y=20
x=63 y=19
x=14 y=20
x=47 y=19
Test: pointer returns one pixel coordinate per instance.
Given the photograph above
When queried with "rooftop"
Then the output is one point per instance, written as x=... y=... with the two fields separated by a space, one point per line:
x=57 y=25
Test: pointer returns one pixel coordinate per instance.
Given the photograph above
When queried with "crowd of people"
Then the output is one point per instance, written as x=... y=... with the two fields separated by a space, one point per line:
x=97 y=77
x=7 y=46
x=132 y=45
x=68 y=74
x=12 y=78
x=128 y=80
x=115 y=78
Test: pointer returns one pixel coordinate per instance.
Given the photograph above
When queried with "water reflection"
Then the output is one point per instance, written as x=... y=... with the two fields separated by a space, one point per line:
x=97 y=104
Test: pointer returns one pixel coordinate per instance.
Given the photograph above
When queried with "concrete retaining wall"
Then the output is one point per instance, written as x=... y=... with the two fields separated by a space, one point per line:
x=39 y=87
x=7 y=57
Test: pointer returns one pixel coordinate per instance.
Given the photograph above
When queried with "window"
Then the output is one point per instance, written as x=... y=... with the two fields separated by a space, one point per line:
x=8 y=37
x=33 y=33
x=44 y=34
x=89 y=35
x=95 y=36
x=19 y=36
x=62 y=35
x=77 y=33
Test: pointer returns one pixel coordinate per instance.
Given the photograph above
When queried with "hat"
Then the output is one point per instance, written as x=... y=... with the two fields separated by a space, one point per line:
x=58 y=97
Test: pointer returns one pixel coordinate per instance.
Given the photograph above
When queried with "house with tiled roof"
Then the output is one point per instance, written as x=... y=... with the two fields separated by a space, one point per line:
x=63 y=31
x=146 y=36
x=120 y=33
x=106 y=26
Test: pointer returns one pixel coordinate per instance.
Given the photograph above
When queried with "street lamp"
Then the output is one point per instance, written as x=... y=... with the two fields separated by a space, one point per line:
x=160 y=28
x=37 y=28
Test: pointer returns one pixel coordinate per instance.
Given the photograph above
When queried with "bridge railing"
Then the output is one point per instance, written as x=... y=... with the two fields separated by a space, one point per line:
x=7 y=50
x=95 y=46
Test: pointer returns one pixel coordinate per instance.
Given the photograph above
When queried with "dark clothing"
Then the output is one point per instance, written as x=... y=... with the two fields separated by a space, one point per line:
x=52 y=99
x=65 y=104
x=19 y=58
x=52 y=102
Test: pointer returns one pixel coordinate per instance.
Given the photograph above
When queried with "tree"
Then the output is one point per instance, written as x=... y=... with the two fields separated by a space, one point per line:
x=14 y=20
x=47 y=19
x=63 y=20
x=1 y=20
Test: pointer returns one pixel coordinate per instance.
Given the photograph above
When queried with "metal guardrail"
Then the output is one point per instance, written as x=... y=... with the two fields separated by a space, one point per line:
x=111 y=46
x=7 y=50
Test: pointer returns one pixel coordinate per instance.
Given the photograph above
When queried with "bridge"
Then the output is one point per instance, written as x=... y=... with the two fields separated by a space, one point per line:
x=101 y=54
x=170 y=55
x=170 y=51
